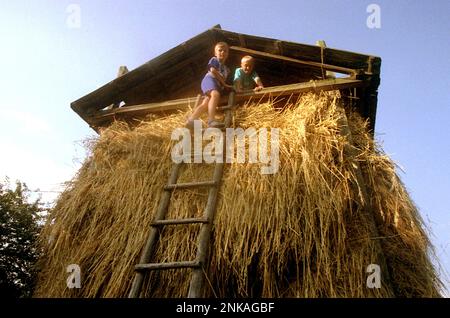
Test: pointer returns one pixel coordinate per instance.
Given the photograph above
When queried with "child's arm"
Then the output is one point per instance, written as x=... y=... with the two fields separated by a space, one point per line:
x=259 y=84
x=219 y=77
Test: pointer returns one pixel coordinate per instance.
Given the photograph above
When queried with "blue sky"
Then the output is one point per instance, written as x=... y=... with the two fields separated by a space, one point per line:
x=48 y=63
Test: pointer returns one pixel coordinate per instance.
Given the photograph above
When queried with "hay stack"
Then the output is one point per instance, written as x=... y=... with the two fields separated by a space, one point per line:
x=302 y=232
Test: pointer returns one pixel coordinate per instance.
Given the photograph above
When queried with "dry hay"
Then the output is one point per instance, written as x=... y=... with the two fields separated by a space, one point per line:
x=302 y=232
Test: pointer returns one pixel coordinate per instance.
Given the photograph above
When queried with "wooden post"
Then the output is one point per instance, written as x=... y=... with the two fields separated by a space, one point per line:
x=323 y=45
x=350 y=152
x=369 y=98
x=122 y=70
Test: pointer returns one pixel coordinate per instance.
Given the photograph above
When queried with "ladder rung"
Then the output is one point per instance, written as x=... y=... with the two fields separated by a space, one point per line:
x=201 y=158
x=179 y=221
x=190 y=185
x=162 y=266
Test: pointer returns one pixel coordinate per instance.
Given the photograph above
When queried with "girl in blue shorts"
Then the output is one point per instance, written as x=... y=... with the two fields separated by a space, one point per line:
x=213 y=85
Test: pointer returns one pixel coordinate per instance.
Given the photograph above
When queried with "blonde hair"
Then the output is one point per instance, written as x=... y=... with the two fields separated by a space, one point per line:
x=248 y=58
x=225 y=44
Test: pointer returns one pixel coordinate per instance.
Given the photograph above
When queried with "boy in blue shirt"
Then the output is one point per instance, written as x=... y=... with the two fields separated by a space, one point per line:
x=245 y=78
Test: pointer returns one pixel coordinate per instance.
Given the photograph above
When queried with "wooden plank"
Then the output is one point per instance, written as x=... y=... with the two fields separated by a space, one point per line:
x=187 y=185
x=165 y=266
x=242 y=40
x=179 y=221
x=369 y=101
x=148 y=108
x=149 y=247
x=338 y=69
x=279 y=47
x=137 y=111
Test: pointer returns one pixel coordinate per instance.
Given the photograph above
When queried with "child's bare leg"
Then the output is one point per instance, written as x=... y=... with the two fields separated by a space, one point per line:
x=212 y=105
x=200 y=109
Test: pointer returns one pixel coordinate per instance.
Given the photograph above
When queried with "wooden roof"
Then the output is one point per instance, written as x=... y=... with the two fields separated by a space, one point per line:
x=176 y=74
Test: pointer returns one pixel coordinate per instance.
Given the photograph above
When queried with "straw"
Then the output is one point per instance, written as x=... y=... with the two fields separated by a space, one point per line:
x=301 y=232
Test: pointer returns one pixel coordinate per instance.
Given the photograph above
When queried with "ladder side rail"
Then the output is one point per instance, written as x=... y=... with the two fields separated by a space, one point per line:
x=196 y=286
x=154 y=233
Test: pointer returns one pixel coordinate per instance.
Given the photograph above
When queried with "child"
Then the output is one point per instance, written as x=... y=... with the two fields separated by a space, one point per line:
x=245 y=77
x=213 y=85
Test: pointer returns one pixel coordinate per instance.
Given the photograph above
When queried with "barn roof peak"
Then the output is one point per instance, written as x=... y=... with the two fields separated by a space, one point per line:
x=176 y=74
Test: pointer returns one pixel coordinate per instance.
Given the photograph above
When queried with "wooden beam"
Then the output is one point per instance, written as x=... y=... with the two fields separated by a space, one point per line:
x=279 y=47
x=338 y=69
x=363 y=194
x=138 y=111
x=165 y=266
x=242 y=40
x=122 y=71
x=147 y=108
x=323 y=45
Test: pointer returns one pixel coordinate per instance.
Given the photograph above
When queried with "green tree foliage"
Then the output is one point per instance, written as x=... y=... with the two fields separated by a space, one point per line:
x=19 y=229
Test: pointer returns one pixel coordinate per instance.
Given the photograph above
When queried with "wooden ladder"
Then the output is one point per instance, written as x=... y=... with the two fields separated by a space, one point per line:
x=197 y=281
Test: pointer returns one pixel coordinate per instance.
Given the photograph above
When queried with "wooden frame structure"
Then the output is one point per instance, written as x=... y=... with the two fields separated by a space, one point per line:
x=171 y=81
